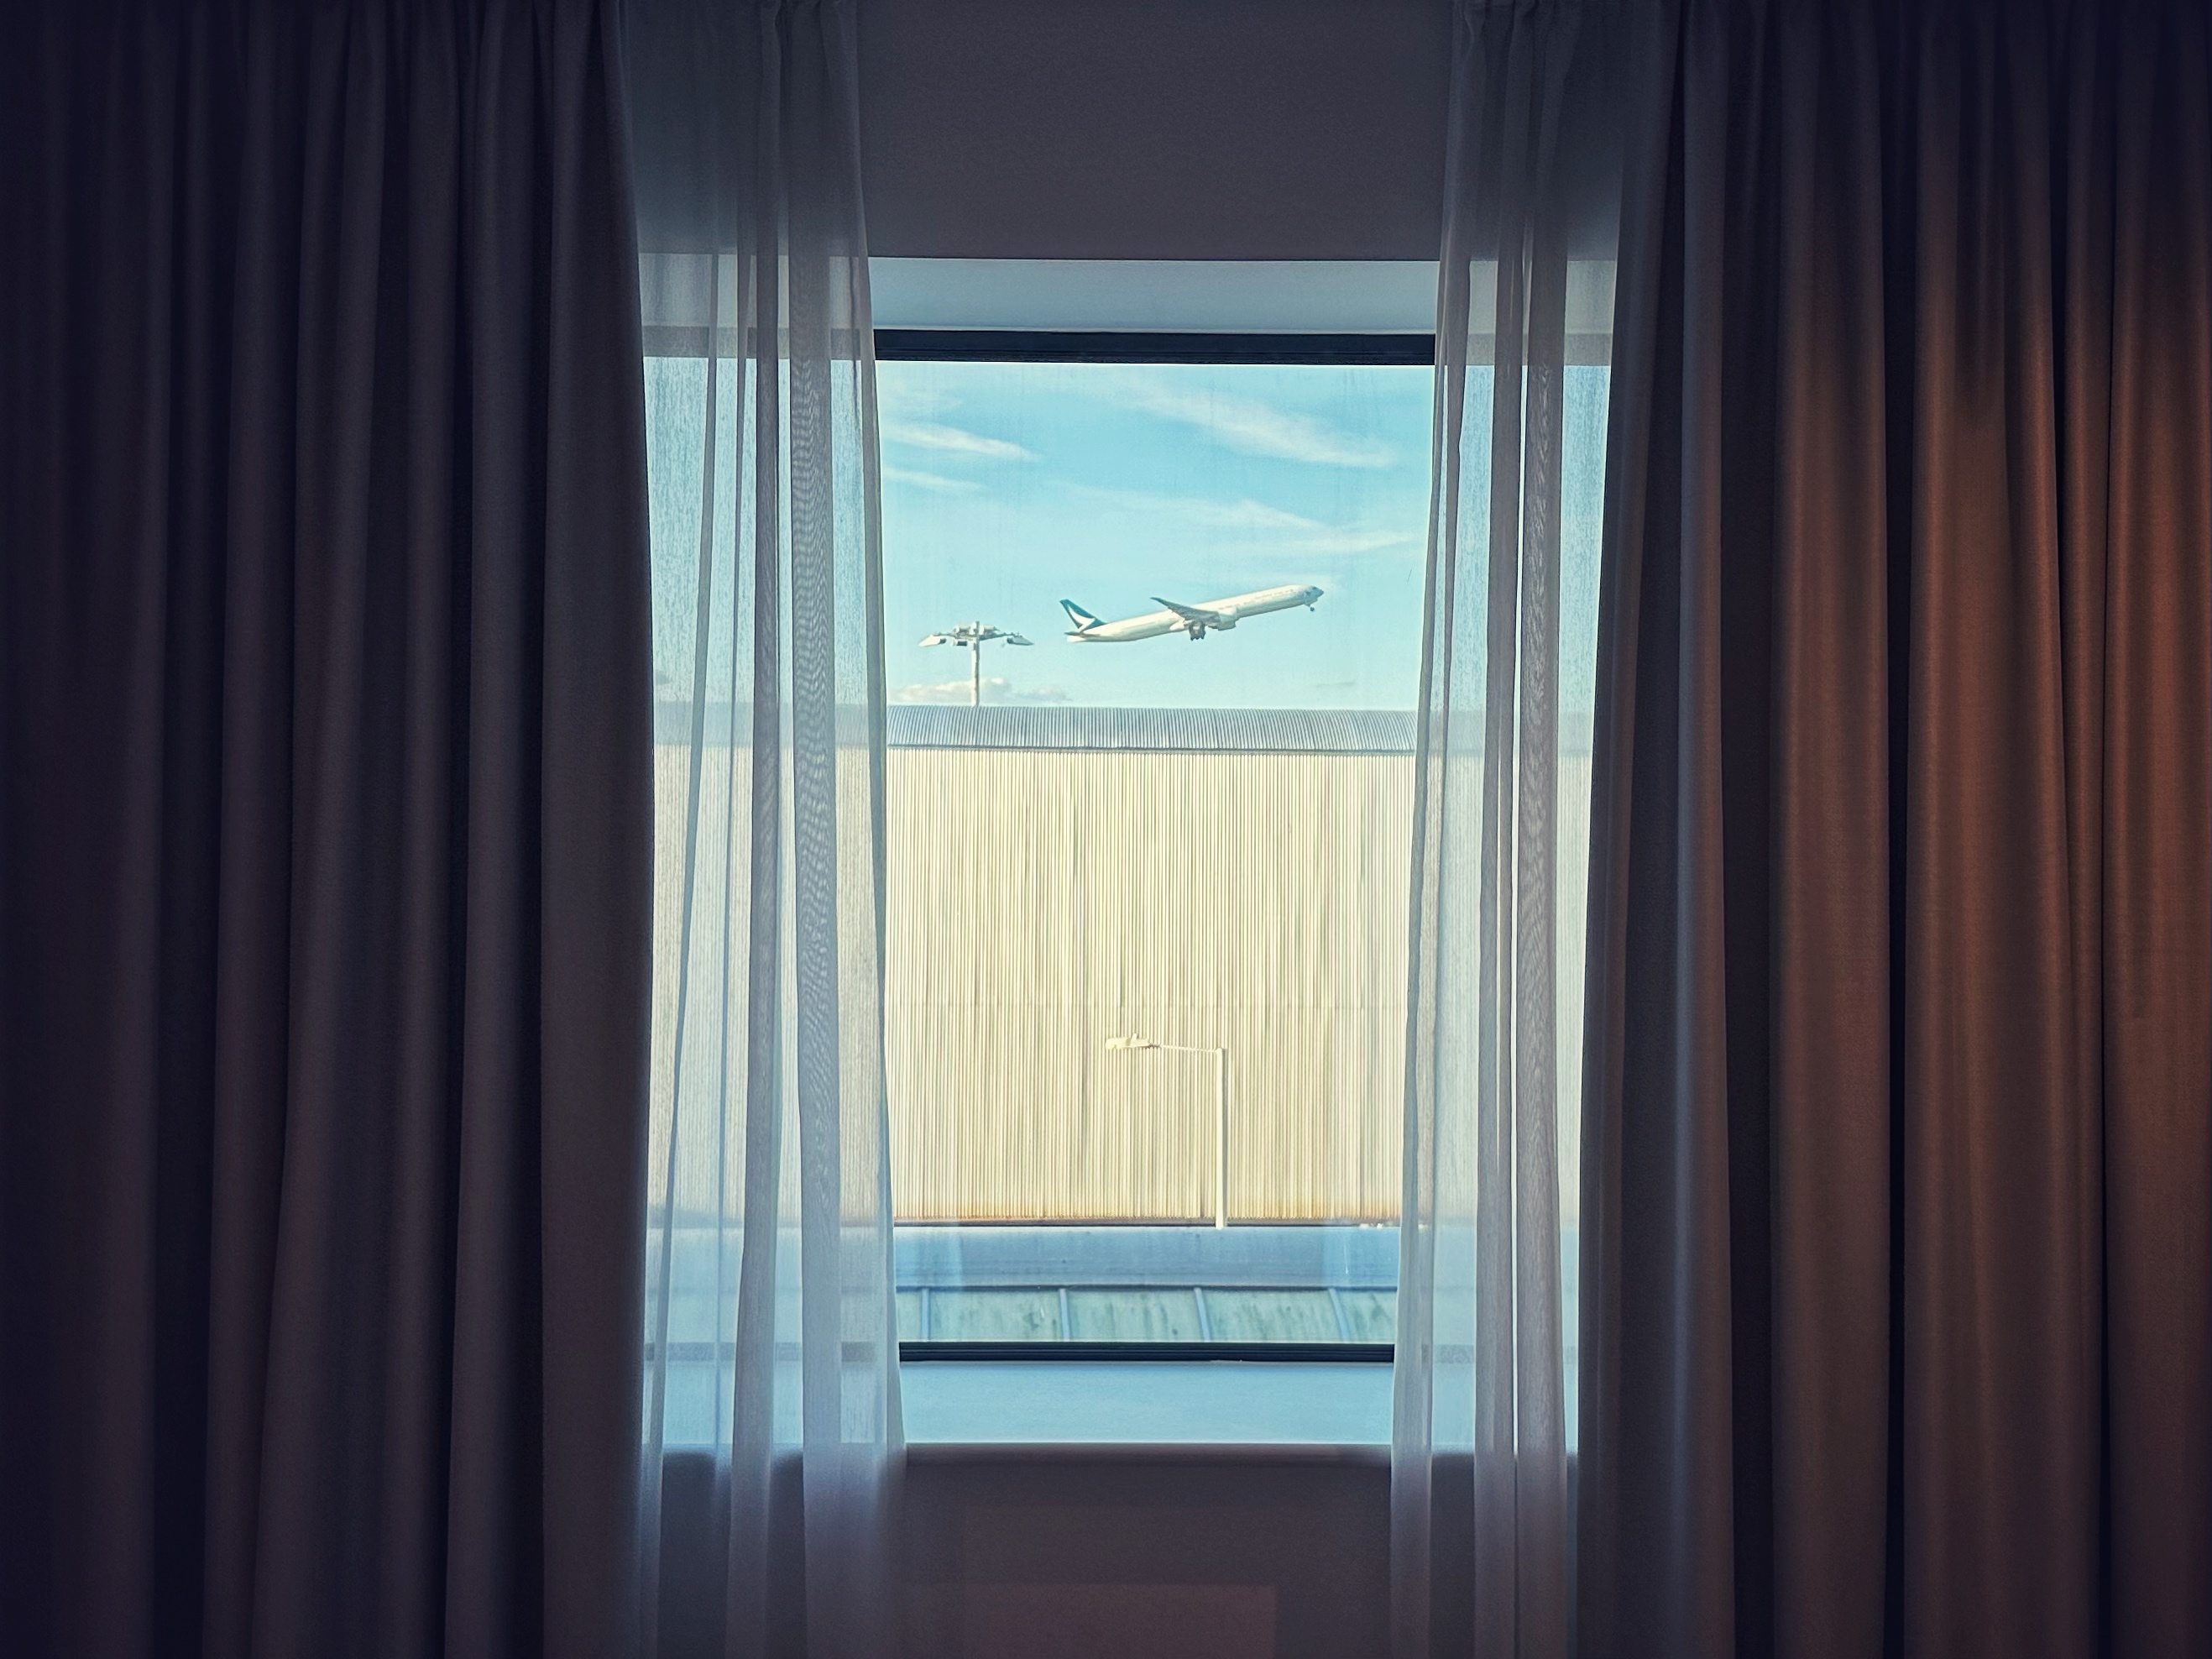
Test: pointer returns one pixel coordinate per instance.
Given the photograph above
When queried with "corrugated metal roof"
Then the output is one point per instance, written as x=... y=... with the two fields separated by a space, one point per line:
x=1201 y=730
x=1155 y=731
x=1242 y=731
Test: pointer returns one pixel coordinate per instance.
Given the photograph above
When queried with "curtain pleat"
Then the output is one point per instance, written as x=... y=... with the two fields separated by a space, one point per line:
x=1897 y=1207
x=1479 y=1492
x=771 y=1383
x=324 y=832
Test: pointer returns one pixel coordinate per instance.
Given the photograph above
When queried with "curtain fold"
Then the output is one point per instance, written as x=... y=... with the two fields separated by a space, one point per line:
x=323 y=833
x=1479 y=1515
x=769 y=1331
x=1896 y=1317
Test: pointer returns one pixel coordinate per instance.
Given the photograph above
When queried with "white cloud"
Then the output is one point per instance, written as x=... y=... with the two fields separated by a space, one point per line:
x=954 y=440
x=932 y=481
x=1247 y=425
x=907 y=398
x=1291 y=532
x=1352 y=540
x=1246 y=514
x=995 y=689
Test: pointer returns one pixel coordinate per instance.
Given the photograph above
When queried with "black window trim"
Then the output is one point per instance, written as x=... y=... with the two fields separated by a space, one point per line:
x=1327 y=1353
x=926 y=345
x=972 y=345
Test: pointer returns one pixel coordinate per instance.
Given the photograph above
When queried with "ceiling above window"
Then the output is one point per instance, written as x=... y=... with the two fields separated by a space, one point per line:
x=1154 y=128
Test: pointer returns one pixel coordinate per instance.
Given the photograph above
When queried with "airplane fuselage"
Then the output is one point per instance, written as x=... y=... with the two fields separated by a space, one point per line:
x=1216 y=616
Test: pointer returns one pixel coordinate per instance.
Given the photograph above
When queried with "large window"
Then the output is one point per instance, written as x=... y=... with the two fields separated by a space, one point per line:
x=1153 y=622
x=1148 y=856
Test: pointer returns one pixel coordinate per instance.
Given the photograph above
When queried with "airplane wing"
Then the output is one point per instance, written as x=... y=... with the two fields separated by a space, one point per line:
x=1194 y=613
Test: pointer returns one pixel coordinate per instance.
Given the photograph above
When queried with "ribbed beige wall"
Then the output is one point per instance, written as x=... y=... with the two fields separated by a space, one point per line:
x=1039 y=901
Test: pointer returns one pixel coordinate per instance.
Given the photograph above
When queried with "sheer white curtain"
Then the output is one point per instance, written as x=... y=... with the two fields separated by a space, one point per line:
x=1480 y=1523
x=770 y=1346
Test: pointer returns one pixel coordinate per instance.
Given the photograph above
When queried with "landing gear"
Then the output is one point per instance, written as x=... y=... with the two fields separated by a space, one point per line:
x=1196 y=633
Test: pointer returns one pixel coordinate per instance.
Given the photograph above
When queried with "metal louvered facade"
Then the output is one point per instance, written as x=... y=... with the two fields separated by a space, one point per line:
x=1240 y=878
x=1041 y=901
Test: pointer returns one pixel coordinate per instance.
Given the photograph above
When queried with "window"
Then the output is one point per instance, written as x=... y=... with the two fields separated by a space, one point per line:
x=1152 y=615
x=1154 y=619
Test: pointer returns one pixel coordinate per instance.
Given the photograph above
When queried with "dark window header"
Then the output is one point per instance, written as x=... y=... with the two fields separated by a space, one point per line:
x=924 y=345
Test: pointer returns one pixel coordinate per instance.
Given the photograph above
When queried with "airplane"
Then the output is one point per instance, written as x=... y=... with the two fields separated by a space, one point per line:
x=1195 y=620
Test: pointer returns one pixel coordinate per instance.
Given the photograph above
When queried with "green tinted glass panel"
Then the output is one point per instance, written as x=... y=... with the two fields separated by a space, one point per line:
x=1271 y=1316
x=994 y=1315
x=909 y=1317
x=1133 y=1316
x=1369 y=1315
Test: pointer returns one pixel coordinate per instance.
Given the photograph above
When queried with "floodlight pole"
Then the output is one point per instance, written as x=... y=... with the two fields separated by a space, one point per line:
x=1220 y=1109
x=972 y=637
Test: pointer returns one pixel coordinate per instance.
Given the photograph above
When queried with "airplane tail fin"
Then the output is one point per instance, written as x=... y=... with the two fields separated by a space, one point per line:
x=1082 y=619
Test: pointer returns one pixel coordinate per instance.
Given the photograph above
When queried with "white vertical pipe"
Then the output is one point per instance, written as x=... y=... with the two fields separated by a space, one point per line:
x=1221 y=1141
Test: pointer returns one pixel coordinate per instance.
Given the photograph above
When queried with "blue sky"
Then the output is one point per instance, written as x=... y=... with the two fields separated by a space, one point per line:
x=1008 y=487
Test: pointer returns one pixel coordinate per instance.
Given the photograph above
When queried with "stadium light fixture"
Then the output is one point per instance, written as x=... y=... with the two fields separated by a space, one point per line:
x=972 y=637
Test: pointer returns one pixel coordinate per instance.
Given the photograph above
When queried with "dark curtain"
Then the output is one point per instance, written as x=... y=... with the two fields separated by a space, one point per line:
x=1898 y=1292
x=324 y=831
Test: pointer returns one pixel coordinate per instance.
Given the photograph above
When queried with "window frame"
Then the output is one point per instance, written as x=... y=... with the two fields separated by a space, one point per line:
x=1387 y=350
x=992 y=345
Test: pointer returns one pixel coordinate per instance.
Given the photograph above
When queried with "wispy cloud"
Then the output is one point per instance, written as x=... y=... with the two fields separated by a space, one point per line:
x=953 y=440
x=1356 y=540
x=1243 y=514
x=995 y=689
x=1247 y=425
x=905 y=399
x=1281 y=528
x=932 y=481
